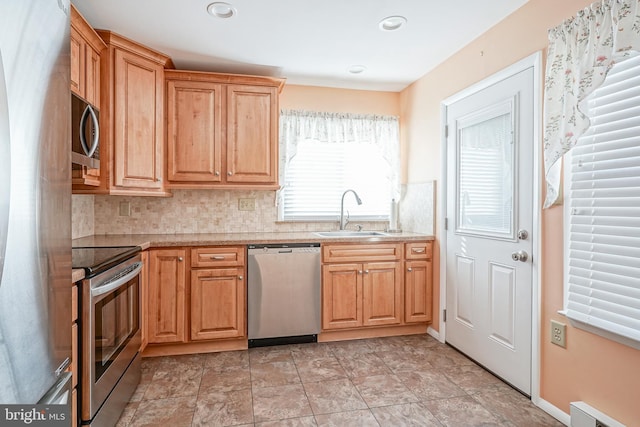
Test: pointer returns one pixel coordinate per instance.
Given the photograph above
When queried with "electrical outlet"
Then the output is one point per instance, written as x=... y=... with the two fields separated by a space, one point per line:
x=246 y=204
x=559 y=334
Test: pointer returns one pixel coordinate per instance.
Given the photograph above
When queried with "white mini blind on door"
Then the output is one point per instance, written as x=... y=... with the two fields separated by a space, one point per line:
x=604 y=209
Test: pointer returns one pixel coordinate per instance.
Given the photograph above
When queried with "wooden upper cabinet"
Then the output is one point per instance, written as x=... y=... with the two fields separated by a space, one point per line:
x=252 y=134
x=86 y=48
x=137 y=124
x=222 y=130
x=77 y=59
x=132 y=117
x=194 y=131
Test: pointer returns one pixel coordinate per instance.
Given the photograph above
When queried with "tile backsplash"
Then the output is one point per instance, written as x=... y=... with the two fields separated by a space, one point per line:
x=83 y=221
x=217 y=211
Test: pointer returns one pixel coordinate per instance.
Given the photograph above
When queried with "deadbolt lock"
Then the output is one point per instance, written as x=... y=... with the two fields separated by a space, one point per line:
x=523 y=234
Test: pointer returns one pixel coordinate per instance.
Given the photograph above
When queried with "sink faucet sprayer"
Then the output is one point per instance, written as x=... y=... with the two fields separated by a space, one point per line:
x=343 y=220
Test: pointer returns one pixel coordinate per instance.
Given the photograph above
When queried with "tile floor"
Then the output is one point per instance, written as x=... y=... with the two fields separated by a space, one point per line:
x=396 y=381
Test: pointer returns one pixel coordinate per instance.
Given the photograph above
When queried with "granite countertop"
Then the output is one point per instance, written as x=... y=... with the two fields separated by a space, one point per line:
x=146 y=241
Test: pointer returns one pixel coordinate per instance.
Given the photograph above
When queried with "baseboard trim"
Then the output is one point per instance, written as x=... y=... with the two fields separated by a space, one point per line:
x=434 y=334
x=552 y=410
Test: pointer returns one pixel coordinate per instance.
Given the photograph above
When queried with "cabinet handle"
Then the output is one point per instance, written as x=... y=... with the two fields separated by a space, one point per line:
x=359 y=271
x=366 y=272
x=180 y=259
x=417 y=250
x=218 y=257
x=239 y=277
x=409 y=269
x=229 y=173
x=217 y=173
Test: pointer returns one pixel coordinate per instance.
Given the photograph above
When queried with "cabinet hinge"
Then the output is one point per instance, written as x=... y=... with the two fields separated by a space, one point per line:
x=446 y=131
x=446 y=223
x=444 y=315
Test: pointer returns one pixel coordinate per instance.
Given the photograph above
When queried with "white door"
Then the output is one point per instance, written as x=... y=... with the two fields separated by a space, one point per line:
x=489 y=223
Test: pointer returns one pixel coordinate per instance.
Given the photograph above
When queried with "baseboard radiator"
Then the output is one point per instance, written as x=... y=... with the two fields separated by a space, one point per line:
x=583 y=415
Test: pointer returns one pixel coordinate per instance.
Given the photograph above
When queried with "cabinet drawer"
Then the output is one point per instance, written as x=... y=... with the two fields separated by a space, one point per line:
x=418 y=250
x=222 y=256
x=362 y=253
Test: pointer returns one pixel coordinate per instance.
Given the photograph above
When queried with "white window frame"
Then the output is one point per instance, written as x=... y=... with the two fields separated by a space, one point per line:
x=567 y=160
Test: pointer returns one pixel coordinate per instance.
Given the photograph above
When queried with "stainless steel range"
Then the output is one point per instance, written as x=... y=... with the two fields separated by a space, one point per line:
x=109 y=331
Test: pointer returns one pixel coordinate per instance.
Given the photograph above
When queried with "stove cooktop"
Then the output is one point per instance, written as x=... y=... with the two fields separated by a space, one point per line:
x=95 y=260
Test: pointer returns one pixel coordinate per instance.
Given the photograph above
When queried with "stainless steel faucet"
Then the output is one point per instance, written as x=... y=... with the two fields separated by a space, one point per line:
x=343 y=220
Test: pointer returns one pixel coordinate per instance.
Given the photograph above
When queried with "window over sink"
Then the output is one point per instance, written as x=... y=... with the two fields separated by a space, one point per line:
x=324 y=154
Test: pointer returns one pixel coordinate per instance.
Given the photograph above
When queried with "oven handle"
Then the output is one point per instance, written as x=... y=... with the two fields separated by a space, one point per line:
x=115 y=284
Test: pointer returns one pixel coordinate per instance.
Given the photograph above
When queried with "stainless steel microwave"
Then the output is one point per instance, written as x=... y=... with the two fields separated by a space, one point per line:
x=85 y=133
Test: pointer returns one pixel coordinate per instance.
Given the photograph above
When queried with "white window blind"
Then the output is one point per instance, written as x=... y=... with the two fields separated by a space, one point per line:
x=321 y=171
x=485 y=192
x=603 y=210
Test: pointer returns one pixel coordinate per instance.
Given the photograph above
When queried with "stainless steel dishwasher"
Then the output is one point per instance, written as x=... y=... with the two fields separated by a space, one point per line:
x=283 y=293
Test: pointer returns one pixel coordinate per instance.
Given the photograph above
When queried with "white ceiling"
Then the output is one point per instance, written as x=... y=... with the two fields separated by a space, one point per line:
x=310 y=42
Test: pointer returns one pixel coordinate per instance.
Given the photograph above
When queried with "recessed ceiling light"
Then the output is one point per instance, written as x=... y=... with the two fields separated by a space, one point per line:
x=392 y=23
x=221 y=10
x=356 y=69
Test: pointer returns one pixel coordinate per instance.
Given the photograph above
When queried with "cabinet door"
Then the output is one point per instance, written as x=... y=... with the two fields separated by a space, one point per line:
x=217 y=303
x=252 y=134
x=418 y=281
x=92 y=76
x=138 y=126
x=77 y=63
x=382 y=293
x=194 y=131
x=341 y=296
x=166 y=321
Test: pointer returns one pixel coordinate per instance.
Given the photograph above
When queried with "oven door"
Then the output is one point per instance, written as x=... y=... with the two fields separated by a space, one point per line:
x=110 y=331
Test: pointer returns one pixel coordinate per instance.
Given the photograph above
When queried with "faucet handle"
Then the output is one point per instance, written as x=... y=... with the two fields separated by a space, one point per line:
x=359 y=227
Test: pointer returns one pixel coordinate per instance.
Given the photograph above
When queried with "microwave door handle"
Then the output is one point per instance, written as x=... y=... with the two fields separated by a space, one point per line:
x=88 y=112
x=110 y=286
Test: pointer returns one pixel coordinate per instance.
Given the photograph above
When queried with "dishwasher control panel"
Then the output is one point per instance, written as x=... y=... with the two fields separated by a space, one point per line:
x=284 y=248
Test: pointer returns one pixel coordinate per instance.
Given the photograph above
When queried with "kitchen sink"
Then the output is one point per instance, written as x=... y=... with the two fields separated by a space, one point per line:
x=349 y=233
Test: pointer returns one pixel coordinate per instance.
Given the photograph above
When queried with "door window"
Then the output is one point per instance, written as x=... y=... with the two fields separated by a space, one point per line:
x=486 y=157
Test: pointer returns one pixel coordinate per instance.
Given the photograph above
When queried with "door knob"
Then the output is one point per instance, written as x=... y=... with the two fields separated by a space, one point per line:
x=521 y=256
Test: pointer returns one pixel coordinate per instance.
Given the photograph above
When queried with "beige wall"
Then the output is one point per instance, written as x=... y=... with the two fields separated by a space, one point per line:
x=314 y=98
x=604 y=374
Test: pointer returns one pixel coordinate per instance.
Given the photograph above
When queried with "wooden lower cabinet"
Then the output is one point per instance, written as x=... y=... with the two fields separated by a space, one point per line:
x=355 y=295
x=364 y=286
x=217 y=303
x=418 y=285
x=195 y=295
x=166 y=319
x=341 y=296
x=144 y=297
x=74 y=355
x=361 y=294
x=382 y=293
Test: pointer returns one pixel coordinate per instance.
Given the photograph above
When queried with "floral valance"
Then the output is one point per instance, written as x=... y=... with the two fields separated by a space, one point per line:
x=582 y=50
